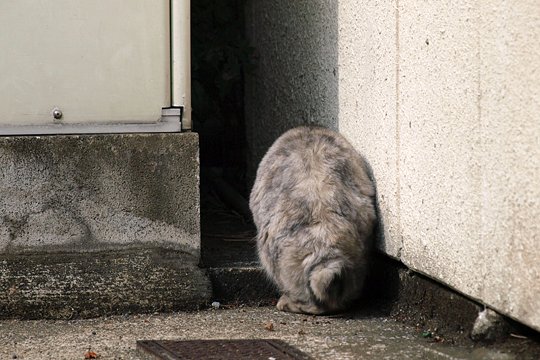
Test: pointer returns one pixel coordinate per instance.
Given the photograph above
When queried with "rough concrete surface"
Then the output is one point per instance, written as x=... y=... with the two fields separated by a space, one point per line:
x=442 y=99
x=295 y=81
x=417 y=300
x=353 y=336
x=438 y=164
x=242 y=285
x=367 y=102
x=88 y=193
x=66 y=286
x=70 y=208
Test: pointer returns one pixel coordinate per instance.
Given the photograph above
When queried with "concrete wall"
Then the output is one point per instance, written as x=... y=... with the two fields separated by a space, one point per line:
x=100 y=192
x=295 y=82
x=442 y=97
x=99 y=224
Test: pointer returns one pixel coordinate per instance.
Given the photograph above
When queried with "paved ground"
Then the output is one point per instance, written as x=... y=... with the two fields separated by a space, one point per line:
x=358 y=336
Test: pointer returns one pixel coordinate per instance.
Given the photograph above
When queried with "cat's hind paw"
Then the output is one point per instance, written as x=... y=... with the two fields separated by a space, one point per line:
x=288 y=305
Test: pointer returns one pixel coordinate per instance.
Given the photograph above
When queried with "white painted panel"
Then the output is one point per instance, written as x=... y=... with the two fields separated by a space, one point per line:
x=98 y=61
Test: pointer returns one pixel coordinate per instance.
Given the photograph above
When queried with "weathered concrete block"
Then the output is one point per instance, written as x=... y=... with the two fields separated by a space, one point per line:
x=90 y=196
x=87 y=193
x=65 y=286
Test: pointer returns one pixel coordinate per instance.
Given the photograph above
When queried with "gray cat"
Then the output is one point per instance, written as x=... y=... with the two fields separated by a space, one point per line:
x=313 y=205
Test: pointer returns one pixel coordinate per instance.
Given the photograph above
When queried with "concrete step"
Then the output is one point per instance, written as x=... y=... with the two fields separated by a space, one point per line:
x=67 y=285
x=246 y=285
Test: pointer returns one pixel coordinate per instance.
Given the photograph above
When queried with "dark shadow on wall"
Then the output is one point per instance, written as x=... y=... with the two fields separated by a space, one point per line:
x=221 y=56
x=296 y=78
x=258 y=68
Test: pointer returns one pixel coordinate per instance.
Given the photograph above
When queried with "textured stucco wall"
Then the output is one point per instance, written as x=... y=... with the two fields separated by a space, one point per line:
x=443 y=99
x=295 y=82
x=367 y=101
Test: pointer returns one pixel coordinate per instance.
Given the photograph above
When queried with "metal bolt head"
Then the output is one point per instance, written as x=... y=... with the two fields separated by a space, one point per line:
x=57 y=114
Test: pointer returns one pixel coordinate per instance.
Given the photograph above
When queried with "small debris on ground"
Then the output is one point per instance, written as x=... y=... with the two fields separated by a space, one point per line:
x=216 y=304
x=91 y=355
x=269 y=326
x=489 y=326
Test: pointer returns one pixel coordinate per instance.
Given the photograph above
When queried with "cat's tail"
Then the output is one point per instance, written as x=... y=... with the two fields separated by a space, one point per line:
x=327 y=284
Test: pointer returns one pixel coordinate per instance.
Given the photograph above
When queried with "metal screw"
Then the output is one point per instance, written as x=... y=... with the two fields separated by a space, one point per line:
x=57 y=114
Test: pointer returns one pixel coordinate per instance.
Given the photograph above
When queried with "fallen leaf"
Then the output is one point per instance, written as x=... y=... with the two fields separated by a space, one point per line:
x=269 y=326
x=437 y=338
x=91 y=355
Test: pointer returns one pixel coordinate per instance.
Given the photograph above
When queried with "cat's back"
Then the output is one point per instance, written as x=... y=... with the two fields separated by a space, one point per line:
x=310 y=168
x=310 y=157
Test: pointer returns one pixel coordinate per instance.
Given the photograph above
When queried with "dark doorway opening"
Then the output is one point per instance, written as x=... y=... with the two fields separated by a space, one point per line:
x=221 y=57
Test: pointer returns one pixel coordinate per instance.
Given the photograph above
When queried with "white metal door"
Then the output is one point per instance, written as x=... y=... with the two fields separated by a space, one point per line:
x=76 y=65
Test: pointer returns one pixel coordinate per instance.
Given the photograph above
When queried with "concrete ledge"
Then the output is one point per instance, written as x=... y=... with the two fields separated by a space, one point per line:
x=75 y=212
x=90 y=193
x=65 y=286
x=242 y=285
x=419 y=301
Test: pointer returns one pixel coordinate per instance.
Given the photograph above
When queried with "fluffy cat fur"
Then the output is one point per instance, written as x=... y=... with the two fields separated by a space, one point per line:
x=313 y=205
